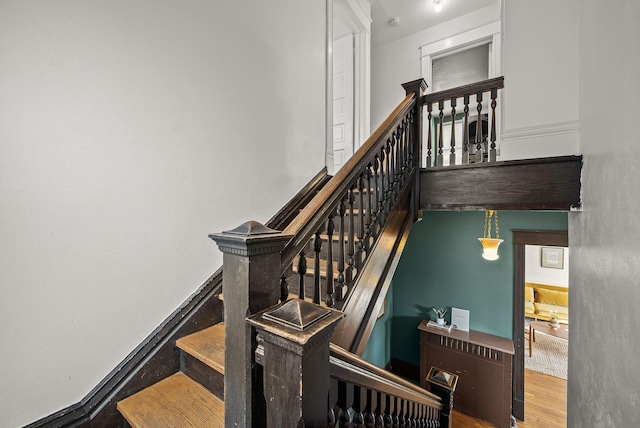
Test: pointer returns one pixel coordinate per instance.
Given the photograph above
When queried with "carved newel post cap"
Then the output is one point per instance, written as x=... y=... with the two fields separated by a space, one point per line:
x=296 y=320
x=249 y=239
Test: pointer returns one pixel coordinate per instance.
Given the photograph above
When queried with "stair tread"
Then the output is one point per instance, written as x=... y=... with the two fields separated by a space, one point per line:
x=176 y=401
x=206 y=345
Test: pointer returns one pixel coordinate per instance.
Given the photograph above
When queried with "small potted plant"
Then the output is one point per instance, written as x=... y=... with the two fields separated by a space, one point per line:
x=440 y=315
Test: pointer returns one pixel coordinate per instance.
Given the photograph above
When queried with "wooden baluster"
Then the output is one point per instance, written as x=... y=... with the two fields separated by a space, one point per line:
x=344 y=417
x=400 y=150
x=479 y=156
x=284 y=289
x=379 y=421
x=351 y=250
x=302 y=271
x=465 y=132
x=389 y=176
x=369 y=419
x=367 y=228
x=492 y=151
x=402 y=422
x=429 y=117
x=358 y=417
x=377 y=173
x=330 y=287
x=440 y=158
x=387 y=420
x=452 y=155
x=317 y=247
x=360 y=252
x=393 y=162
x=342 y=210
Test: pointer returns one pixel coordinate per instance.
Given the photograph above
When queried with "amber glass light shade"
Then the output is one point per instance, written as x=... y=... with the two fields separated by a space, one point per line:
x=490 y=248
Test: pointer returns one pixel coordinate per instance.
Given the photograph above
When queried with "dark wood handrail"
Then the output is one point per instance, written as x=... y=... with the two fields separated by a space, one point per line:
x=378 y=379
x=460 y=91
x=315 y=213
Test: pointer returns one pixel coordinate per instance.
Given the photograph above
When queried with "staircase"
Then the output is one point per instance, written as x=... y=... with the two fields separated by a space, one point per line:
x=193 y=397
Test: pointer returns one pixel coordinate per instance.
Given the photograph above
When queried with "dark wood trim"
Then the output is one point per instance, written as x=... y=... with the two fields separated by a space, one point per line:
x=529 y=184
x=157 y=357
x=460 y=91
x=520 y=239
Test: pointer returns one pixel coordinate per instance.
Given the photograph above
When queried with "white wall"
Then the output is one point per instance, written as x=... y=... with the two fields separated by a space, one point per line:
x=398 y=62
x=604 y=347
x=540 y=67
x=536 y=273
x=129 y=131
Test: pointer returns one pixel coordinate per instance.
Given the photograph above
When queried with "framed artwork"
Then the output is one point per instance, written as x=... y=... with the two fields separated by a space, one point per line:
x=553 y=257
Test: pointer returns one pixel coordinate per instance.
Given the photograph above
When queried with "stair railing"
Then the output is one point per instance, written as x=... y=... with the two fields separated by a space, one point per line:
x=478 y=143
x=353 y=207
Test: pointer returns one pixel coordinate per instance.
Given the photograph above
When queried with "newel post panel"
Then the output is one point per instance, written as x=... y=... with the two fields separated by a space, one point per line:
x=293 y=348
x=251 y=266
x=417 y=87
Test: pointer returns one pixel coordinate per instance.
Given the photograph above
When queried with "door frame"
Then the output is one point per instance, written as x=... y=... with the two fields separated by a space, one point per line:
x=521 y=238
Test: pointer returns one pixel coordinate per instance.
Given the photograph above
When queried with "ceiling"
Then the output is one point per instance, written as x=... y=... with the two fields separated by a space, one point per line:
x=415 y=15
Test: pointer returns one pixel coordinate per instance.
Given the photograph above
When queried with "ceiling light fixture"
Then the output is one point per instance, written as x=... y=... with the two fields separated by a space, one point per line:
x=437 y=5
x=490 y=245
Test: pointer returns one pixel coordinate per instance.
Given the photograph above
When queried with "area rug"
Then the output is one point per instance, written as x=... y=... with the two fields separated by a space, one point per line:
x=549 y=355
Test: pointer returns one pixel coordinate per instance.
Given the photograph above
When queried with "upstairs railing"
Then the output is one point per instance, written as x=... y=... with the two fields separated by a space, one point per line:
x=478 y=141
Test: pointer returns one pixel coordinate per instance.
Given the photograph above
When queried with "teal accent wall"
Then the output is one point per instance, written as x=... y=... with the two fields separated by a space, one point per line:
x=442 y=266
x=378 y=349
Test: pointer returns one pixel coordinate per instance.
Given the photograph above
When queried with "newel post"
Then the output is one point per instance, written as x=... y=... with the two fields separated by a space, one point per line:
x=251 y=266
x=294 y=350
x=416 y=87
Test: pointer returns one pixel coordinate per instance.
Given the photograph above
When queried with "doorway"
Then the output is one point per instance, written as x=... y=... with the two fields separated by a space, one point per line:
x=522 y=238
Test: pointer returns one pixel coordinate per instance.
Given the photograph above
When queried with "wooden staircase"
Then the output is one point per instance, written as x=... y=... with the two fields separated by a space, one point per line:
x=193 y=397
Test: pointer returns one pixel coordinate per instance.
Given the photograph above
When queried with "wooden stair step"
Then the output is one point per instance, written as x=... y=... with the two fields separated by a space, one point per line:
x=176 y=402
x=206 y=345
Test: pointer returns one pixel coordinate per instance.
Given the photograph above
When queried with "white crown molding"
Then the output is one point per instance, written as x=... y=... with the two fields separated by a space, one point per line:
x=541 y=130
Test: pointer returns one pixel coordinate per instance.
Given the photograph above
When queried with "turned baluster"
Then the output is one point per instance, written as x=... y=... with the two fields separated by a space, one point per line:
x=381 y=216
x=452 y=155
x=402 y=421
x=387 y=419
x=358 y=417
x=344 y=417
x=393 y=170
x=389 y=172
x=360 y=253
x=440 y=158
x=377 y=173
x=479 y=155
x=492 y=151
x=369 y=419
x=302 y=271
x=317 y=247
x=342 y=210
x=330 y=287
x=349 y=273
x=379 y=421
x=367 y=228
x=465 y=132
x=429 y=161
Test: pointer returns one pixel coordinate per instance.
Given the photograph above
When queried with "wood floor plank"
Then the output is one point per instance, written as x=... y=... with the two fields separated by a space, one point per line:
x=206 y=345
x=176 y=402
x=545 y=404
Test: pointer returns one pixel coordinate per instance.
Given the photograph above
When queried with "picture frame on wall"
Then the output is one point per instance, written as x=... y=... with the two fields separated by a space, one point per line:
x=552 y=257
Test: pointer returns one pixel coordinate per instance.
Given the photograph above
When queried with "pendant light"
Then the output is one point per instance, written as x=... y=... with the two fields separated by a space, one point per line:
x=490 y=245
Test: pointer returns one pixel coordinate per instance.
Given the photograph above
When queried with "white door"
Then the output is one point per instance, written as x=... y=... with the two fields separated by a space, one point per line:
x=342 y=100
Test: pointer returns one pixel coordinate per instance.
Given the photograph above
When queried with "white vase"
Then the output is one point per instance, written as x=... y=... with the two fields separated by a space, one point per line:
x=440 y=321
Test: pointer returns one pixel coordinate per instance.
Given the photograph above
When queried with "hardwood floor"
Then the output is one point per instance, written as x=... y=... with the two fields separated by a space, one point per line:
x=545 y=404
